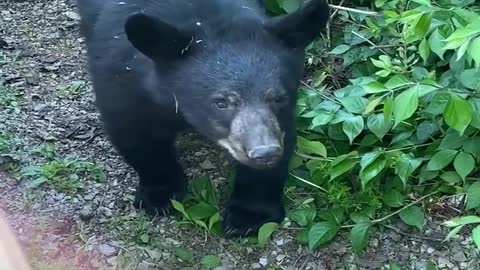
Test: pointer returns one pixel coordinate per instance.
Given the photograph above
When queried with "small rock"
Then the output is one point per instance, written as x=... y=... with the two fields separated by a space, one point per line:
x=420 y=265
x=459 y=256
x=463 y=265
x=106 y=211
x=107 y=250
x=39 y=107
x=430 y=250
x=72 y=15
x=280 y=242
x=280 y=257
x=89 y=197
x=86 y=213
x=207 y=165
x=263 y=261
x=256 y=266
x=444 y=262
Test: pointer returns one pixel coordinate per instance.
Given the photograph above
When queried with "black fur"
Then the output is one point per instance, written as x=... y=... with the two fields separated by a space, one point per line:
x=159 y=66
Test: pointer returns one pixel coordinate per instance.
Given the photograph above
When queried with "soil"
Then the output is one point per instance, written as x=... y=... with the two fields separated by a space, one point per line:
x=43 y=68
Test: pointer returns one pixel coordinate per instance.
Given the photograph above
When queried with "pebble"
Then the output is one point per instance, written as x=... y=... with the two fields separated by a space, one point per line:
x=263 y=261
x=86 y=213
x=207 y=165
x=459 y=256
x=89 y=197
x=107 y=250
x=280 y=257
x=256 y=266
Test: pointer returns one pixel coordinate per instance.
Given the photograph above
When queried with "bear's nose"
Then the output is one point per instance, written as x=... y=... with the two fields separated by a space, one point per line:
x=265 y=154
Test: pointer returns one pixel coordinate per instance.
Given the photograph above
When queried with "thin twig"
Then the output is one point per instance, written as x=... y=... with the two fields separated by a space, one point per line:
x=371 y=13
x=321 y=94
x=308 y=182
x=368 y=41
x=397 y=230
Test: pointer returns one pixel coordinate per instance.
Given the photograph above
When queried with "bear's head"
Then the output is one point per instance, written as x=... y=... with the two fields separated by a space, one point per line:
x=234 y=79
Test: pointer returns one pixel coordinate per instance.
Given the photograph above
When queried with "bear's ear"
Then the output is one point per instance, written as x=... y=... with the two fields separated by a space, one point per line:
x=299 y=28
x=157 y=39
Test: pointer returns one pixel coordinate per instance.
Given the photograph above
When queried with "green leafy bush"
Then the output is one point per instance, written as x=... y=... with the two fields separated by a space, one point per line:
x=403 y=128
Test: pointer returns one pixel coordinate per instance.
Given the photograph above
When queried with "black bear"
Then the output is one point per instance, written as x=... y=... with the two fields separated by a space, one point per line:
x=224 y=68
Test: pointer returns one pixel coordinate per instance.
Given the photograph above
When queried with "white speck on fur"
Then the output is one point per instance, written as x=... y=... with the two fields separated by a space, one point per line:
x=187 y=47
x=176 y=102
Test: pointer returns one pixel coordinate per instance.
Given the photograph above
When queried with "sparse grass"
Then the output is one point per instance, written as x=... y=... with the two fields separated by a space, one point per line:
x=136 y=228
x=9 y=99
x=73 y=89
x=65 y=175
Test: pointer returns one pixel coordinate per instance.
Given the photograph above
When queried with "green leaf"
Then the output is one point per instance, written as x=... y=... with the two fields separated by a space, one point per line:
x=474 y=50
x=372 y=105
x=342 y=164
x=405 y=105
x=438 y=103
x=201 y=210
x=441 y=159
x=340 y=49
x=476 y=236
x=265 y=232
x=388 y=109
x=354 y=104
x=464 y=220
x=210 y=261
x=462 y=33
x=475 y=103
x=303 y=216
x=179 y=207
x=424 y=50
x=322 y=118
x=335 y=215
x=393 y=198
x=470 y=78
x=413 y=216
x=359 y=236
x=464 y=164
x=458 y=113
x=453 y=232
x=451 y=177
x=311 y=147
x=213 y=220
x=321 y=232
x=452 y=140
x=472 y=146
x=405 y=165
x=425 y=130
x=423 y=2
x=376 y=123
x=374 y=87
x=352 y=127
x=397 y=80
x=372 y=170
x=462 y=50
x=437 y=45
x=473 y=196
x=183 y=254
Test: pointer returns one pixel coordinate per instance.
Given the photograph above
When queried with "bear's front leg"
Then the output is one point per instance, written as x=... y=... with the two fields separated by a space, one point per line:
x=161 y=176
x=256 y=199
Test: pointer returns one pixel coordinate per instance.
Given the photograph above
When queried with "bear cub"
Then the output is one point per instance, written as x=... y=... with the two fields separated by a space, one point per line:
x=221 y=67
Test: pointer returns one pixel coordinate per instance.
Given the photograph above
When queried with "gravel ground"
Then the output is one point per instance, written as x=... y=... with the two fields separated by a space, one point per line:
x=49 y=99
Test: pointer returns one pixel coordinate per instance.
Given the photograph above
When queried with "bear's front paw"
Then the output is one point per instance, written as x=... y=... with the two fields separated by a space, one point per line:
x=155 y=200
x=239 y=221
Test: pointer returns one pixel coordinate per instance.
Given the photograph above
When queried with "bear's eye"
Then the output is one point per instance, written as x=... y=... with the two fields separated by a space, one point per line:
x=278 y=99
x=221 y=103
